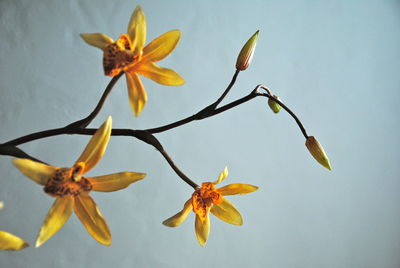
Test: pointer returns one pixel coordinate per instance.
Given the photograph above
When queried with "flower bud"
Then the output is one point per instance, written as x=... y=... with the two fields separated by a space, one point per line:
x=275 y=107
x=246 y=54
x=317 y=152
x=1 y=205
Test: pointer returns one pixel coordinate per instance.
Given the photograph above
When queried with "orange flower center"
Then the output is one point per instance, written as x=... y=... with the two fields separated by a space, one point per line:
x=204 y=198
x=119 y=55
x=68 y=181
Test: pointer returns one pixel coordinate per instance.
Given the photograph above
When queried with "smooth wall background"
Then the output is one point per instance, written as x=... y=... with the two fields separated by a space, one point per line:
x=335 y=63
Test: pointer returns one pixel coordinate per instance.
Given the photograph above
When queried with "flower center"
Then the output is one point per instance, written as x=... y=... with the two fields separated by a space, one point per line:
x=68 y=181
x=204 y=198
x=118 y=56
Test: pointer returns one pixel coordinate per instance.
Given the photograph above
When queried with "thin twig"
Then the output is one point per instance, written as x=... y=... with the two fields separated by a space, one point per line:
x=303 y=130
x=87 y=120
x=204 y=113
x=79 y=127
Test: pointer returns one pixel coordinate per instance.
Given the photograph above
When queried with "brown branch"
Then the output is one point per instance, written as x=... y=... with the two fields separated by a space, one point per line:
x=79 y=127
x=147 y=137
x=15 y=151
x=87 y=120
x=204 y=113
x=303 y=130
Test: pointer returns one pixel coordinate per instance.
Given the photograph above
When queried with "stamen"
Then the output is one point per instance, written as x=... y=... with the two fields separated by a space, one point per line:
x=119 y=56
x=77 y=171
x=204 y=198
x=68 y=181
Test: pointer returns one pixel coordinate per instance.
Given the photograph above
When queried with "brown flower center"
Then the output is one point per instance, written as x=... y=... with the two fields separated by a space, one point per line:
x=119 y=55
x=204 y=198
x=68 y=181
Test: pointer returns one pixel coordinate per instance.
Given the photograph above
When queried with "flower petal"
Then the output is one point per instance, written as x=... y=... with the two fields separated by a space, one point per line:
x=96 y=147
x=137 y=29
x=159 y=74
x=11 y=242
x=55 y=219
x=227 y=212
x=237 y=188
x=97 y=40
x=137 y=93
x=222 y=176
x=161 y=47
x=178 y=218
x=38 y=172
x=89 y=214
x=114 y=182
x=202 y=229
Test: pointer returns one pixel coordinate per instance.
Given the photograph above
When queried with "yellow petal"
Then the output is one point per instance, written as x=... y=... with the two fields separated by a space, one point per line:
x=202 y=229
x=114 y=182
x=97 y=40
x=137 y=29
x=178 y=218
x=11 y=242
x=227 y=212
x=89 y=214
x=36 y=171
x=161 y=47
x=237 y=188
x=55 y=219
x=159 y=74
x=137 y=93
x=96 y=147
x=222 y=176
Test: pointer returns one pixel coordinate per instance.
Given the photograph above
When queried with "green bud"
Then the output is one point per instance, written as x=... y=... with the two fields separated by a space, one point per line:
x=275 y=107
x=318 y=152
x=247 y=52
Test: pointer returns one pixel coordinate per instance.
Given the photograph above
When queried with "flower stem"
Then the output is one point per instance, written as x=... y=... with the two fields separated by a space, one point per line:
x=79 y=127
x=303 y=130
x=206 y=112
x=87 y=120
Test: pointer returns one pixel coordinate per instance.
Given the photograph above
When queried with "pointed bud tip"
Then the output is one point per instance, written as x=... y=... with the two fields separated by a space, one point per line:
x=109 y=119
x=246 y=54
x=318 y=152
x=38 y=244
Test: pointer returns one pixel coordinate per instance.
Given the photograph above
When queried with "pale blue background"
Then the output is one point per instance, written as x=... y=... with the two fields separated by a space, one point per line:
x=335 y=63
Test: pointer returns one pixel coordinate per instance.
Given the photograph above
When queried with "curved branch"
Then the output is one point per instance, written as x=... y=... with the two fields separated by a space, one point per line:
x=79 y=127
x=303 y=130
x=87 y=120
x=147 y=137
x=204 y=113
x=15 y=151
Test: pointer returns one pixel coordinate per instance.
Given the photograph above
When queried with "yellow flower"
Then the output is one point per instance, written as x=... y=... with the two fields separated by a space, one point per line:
x=210 y=199
x=71 y=189
x=128 y=54
x=9 y=241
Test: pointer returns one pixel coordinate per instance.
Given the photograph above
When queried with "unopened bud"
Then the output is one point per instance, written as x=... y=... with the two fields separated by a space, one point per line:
x=317 y=152
x=1 y=205
x=247 y=52
x=275 y=107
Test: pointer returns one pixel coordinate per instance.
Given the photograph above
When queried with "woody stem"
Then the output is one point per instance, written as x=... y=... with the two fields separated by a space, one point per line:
x=87 y=120
x=205 y=112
